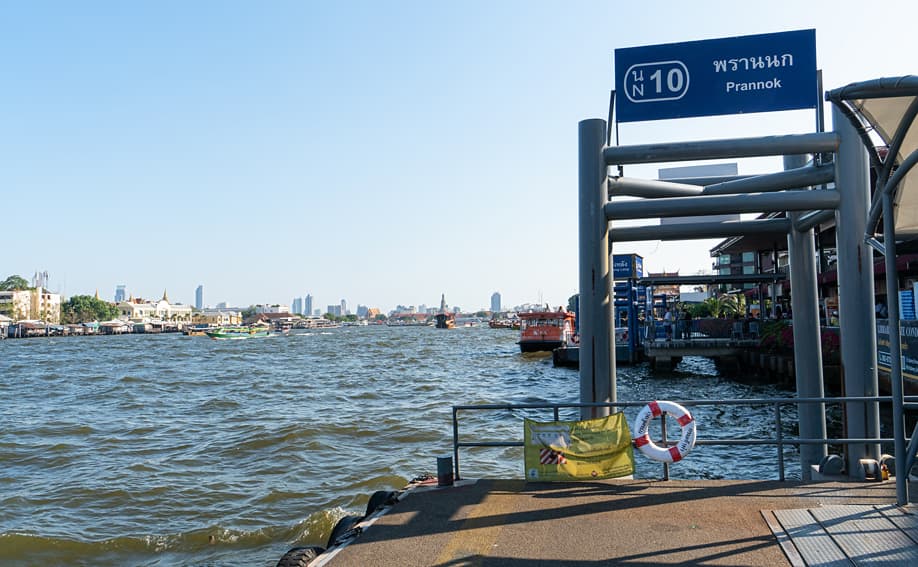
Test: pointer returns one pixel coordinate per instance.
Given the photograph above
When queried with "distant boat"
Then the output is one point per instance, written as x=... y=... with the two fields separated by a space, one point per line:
x=224 y=333
x=545 y=330
x=445 y=321
x=505 y=321
x=408 y=321
x=196 y=330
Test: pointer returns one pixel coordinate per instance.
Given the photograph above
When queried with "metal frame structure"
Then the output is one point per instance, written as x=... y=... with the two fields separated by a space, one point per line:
x=790 y=192
x=881 y=206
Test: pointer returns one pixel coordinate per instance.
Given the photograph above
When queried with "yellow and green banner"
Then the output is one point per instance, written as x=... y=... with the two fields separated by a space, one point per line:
x=578 y=450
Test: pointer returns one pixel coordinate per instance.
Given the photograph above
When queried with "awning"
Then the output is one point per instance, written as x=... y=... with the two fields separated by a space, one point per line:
x=887 y=107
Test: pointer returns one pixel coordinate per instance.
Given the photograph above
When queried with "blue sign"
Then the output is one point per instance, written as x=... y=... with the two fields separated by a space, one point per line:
x=627 y=266
x=753 y=73
x=908 y=333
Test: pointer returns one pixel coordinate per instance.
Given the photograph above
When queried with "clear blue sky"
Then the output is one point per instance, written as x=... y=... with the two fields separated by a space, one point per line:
x=381 y=153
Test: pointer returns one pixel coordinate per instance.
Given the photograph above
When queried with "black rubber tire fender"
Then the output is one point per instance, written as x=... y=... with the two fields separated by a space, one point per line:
x=343 y=526
x=300 y=556
x=379 y=499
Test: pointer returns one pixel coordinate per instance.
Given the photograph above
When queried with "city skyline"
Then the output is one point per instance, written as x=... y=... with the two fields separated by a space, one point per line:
x=410 y=150
x=122 y=292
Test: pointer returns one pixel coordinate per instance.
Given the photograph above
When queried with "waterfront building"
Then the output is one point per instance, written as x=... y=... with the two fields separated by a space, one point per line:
x=671 y=291
x=31 y=304
x=120 y=293
x=495 y=302
x=140 y=310
x=218 y=317
x=307 y=305
x=16 y=304
x=275 y=308
x=199 y=297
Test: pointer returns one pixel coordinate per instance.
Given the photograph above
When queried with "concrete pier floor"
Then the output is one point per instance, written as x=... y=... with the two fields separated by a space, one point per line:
x=513 y=523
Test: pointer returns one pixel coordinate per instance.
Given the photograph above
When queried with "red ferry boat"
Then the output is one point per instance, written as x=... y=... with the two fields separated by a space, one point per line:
x=545 y=330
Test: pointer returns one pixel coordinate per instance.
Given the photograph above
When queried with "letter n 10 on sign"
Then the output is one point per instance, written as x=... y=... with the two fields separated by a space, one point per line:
x=753 y=73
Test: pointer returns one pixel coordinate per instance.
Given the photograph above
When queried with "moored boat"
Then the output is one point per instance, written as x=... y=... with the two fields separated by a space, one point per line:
x=545 y=330
x=224 y=333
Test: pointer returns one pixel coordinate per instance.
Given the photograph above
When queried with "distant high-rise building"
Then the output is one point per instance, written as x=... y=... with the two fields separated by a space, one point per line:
x=307 y=305
x=335 y=310
x=40 y=279
x=221 y=305
x=297 y=308
x=343 y=307
x=362 y=311
x=495 y=302
x=120 y=293
x=199 y=297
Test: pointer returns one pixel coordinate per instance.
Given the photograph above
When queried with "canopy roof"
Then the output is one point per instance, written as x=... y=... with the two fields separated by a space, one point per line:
x=887 y=107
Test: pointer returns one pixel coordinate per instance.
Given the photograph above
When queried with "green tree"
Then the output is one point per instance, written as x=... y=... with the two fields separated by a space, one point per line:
x=248 y=312
x=14 y=283
x=735 y=304
x=699 y=310
x=715 y=306
x=85 y=308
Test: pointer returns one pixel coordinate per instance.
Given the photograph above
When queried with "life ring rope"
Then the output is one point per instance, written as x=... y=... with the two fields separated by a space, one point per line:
x=642 y=438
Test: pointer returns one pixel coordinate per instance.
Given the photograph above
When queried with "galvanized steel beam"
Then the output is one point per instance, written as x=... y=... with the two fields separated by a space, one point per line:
x=791 y=179
x=720 y=149
x=720 y=204
x=690 y=231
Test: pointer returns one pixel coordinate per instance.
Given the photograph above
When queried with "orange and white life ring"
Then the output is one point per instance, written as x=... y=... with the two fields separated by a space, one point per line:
x=641 y=436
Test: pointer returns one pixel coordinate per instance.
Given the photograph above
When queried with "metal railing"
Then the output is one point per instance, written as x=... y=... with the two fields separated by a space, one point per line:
x=779 y=439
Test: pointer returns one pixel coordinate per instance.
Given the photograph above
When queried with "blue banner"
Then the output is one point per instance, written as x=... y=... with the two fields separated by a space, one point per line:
x=754 y=73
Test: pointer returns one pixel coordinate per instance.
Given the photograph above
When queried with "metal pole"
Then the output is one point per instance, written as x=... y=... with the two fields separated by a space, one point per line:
x=801 y=248
x=855 y=290
x=597 y=361
x=895 y=346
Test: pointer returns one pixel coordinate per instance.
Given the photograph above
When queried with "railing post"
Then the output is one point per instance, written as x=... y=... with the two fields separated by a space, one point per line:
x=456 y=442
x=895 y=347
x=779 y=437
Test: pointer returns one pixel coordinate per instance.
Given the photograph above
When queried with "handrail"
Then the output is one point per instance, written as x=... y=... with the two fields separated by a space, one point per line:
x=779 y=438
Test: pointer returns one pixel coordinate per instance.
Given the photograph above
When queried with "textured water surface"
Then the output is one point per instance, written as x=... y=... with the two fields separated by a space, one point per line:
x=171 y=450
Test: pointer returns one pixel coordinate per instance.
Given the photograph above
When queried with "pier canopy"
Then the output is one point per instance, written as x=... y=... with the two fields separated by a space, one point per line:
x=887 y=107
